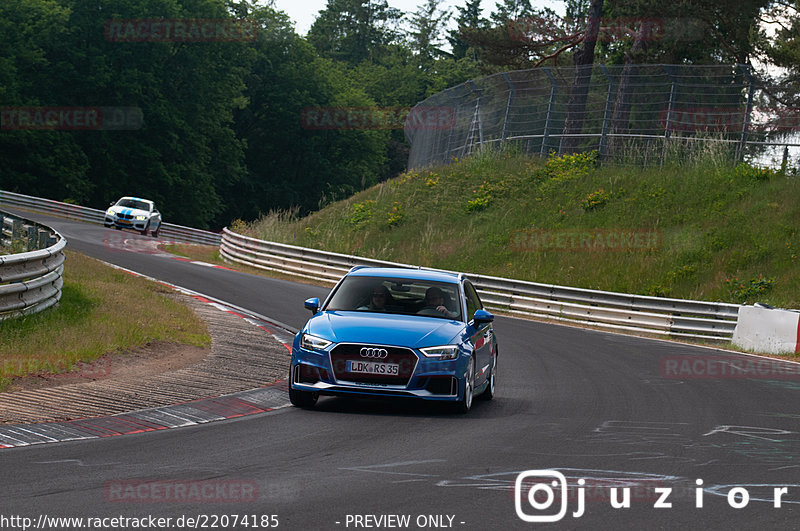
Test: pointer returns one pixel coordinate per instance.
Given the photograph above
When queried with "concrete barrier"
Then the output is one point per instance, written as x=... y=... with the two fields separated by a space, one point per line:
x=767 y=330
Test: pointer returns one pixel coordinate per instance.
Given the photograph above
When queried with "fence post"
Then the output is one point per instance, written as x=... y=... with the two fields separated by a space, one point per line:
x=511 y=90
x=550 y=106
x=747 y=111
x=476 y=120
x=448 y=156
x=670 y=108
x=606 y=113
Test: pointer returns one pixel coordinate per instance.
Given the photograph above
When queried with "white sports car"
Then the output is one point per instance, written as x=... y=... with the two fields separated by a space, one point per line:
x=134 y=213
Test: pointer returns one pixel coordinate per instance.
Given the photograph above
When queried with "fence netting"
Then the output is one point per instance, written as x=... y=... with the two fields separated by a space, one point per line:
x=634 y=114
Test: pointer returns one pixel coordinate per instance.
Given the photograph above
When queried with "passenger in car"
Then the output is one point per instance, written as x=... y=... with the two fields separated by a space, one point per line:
x=434 y=304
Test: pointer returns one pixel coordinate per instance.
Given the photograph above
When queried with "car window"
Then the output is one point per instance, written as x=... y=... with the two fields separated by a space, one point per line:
x=473 y=301
x=132 y=203
x=395 y=295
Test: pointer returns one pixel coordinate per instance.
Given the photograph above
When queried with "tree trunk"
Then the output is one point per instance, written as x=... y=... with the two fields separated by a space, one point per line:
x=584 y=60
x=622 y=105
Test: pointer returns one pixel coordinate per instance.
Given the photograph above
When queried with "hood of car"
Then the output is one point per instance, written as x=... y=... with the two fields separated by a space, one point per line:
x=384 y=329
x=129 y=211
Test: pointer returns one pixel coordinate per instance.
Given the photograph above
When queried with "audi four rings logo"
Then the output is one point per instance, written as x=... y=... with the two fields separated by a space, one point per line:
x=378 y=353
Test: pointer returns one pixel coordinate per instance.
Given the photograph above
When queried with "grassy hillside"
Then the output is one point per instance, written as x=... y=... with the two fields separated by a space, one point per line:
x=707 y=229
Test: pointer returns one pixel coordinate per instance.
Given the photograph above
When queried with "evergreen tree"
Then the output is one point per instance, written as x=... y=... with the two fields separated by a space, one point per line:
x=354 y=30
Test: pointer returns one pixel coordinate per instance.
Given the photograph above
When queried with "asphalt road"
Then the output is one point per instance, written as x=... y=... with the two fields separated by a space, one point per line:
x=604 y=408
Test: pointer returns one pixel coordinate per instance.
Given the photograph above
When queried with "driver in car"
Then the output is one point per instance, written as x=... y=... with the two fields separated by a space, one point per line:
x=434 y=303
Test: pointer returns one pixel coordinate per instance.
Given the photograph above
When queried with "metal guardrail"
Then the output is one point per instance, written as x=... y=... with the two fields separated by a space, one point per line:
x=177 y=233
x=678 y=318
x=29 y=281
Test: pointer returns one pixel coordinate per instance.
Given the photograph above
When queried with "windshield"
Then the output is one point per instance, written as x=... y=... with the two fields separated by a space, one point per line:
x=398 y=296
x=133 y=203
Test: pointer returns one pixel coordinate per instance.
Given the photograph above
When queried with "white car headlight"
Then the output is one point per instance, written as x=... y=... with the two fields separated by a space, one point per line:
x=109 y=212
x=310 y=342
x=141 y=218
x=444 y=352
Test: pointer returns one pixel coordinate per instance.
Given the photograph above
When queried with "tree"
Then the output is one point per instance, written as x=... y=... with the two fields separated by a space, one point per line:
x=46 y=163
x=425 y=38
x=354 y=30
x=469 y=17
x=584 y=61
x=294 y=161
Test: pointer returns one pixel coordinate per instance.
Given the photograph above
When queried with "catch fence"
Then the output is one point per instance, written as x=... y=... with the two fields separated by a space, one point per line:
x=634 y=114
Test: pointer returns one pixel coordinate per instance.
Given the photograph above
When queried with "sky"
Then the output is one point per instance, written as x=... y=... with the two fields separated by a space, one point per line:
x=303 y=12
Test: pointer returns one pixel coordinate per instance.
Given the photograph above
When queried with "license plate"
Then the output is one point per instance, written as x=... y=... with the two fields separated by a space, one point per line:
x=124 y=221
x=373 y=367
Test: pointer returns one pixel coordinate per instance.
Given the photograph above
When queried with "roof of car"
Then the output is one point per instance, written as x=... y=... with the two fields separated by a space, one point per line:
x=402 y=272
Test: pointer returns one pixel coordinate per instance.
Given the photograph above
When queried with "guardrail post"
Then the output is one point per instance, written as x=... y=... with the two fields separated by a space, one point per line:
x=33 y=237
x=43 y=234
x=16 y=229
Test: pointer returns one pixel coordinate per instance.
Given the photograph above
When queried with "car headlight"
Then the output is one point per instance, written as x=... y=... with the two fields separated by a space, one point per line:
x=445 y=352
x=109 y=212
x=141 y=218
x=309 y=342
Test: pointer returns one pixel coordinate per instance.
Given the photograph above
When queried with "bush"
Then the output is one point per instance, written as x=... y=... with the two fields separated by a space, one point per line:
x=742 y=292
x=360 y=212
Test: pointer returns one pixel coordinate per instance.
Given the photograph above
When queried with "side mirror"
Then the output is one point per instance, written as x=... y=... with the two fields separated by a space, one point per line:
x=312 y=304
x=482 y=317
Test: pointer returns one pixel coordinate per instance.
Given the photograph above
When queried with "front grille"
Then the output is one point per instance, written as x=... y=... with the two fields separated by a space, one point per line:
x=404 y=357
x=124 y=216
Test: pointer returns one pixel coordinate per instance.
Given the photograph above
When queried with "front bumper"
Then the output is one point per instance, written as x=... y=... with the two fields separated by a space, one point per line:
x=125 y=223
x=431 y=379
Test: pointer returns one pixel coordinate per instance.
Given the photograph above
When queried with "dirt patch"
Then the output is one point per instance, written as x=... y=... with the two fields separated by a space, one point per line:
x=154 y=358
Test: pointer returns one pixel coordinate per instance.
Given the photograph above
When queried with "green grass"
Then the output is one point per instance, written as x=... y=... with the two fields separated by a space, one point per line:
x=726 y=232
x=102 y=310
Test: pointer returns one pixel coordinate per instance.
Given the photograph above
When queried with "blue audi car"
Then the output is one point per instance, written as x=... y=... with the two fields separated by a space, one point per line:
x=396 y=332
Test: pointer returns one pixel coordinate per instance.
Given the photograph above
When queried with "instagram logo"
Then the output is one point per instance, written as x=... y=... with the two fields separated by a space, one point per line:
x=540 y=496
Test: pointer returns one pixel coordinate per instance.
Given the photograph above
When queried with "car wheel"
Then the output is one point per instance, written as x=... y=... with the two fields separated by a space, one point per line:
x=304 y=399
x=488 y=394
x=465 y=404
x=154 y=233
